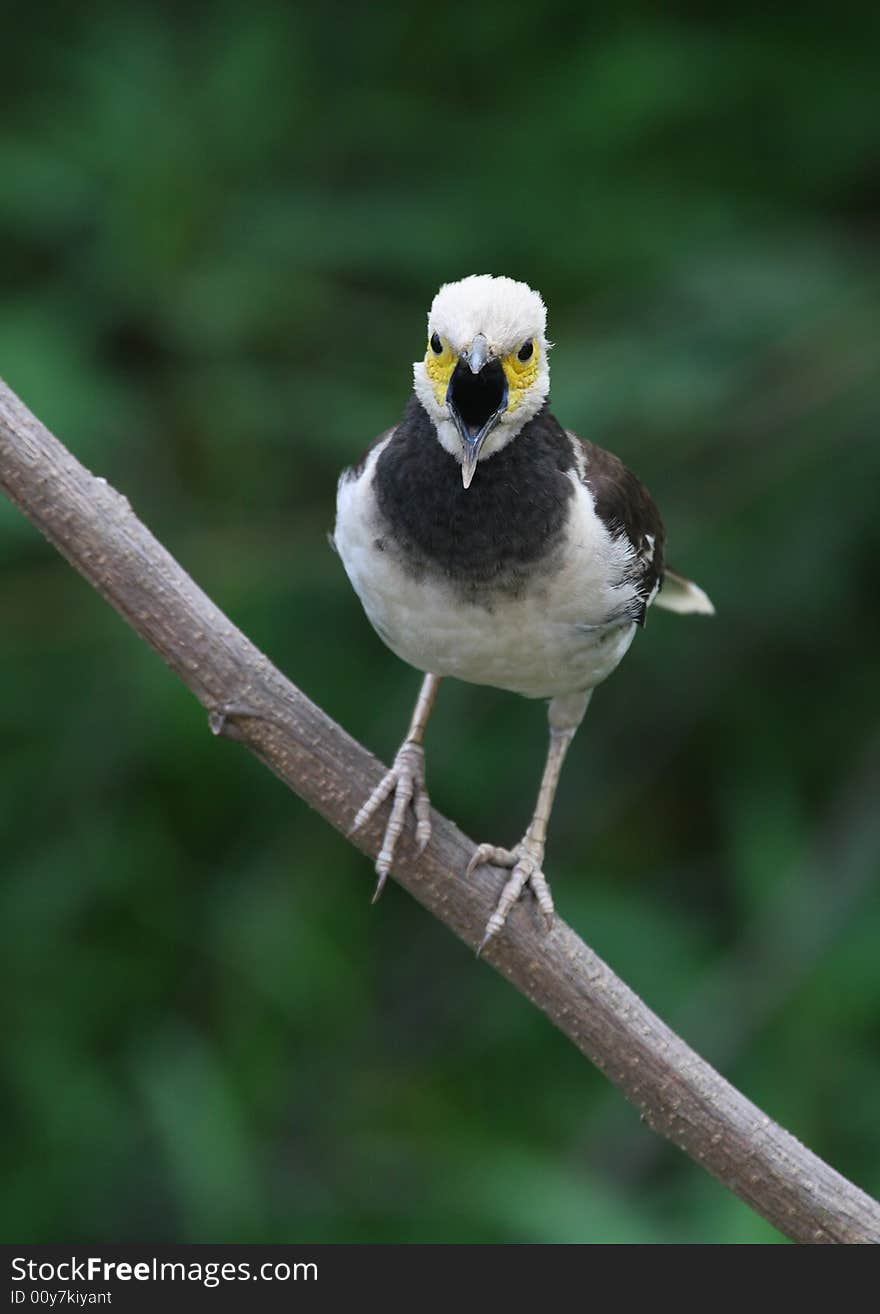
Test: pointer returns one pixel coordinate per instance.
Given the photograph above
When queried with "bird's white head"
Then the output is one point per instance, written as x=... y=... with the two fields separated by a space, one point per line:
x=485 y=373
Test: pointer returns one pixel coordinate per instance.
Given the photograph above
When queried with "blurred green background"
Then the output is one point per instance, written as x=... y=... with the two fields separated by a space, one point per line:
x=221 y=229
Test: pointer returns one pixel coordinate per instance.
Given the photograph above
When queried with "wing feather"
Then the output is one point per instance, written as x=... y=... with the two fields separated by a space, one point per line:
x=627 y=509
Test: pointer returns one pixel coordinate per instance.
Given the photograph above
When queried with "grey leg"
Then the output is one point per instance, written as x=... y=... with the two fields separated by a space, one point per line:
x=406 y=780
x=527 y=857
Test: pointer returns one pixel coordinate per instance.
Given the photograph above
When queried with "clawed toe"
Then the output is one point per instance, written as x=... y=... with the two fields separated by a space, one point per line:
x=406 y=782
x=492 y=855
x=526 y=871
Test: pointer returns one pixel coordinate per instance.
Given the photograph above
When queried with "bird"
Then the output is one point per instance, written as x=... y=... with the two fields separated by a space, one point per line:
x=489 y=544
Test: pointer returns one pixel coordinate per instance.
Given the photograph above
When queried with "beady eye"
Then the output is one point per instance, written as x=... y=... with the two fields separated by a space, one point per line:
x=436 y=344
x=525 y=351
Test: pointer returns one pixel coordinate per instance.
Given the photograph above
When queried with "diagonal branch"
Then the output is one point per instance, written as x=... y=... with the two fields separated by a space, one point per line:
x=248 y=699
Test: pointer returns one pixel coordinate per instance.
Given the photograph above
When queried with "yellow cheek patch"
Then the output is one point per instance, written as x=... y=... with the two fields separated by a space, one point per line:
x=439 y=370
x=520 y=376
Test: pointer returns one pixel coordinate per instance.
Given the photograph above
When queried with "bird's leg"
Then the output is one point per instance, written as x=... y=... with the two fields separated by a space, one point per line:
x=406 y=781
x=527 y=857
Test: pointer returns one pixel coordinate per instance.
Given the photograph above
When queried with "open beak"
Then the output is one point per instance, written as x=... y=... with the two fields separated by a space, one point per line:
x=477 y=399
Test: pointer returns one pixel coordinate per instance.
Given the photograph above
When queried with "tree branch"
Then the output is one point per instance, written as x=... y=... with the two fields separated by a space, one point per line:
x=677 y=1093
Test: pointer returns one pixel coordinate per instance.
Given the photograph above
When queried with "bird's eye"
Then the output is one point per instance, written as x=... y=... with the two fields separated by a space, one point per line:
x=525 y=351
x=436 y=344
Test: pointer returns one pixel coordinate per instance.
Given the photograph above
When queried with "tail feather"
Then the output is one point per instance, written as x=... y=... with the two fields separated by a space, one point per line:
x=683 y=595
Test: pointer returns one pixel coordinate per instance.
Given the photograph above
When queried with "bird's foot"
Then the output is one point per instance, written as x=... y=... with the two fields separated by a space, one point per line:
x=406 y=781
x=525 y=859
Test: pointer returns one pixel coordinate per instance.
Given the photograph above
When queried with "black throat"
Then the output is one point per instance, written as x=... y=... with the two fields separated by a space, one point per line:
x=491 y=535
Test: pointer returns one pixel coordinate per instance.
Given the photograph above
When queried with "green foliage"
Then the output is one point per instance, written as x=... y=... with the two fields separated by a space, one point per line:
x=220 y=236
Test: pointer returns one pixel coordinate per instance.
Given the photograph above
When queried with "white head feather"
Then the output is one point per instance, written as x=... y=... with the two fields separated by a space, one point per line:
x=508 y=314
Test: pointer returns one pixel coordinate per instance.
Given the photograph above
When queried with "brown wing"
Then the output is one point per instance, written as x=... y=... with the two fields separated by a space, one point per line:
x=623 y=502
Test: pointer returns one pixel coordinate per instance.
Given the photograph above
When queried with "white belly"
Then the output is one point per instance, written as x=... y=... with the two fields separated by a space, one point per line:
x=524 y=647
x=550 y=638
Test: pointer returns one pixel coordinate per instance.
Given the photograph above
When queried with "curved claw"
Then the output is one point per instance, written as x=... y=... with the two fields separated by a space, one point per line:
x=493 y=855
x=526 y=866
x=380 y=886
x=482 y=945
x=406 y=782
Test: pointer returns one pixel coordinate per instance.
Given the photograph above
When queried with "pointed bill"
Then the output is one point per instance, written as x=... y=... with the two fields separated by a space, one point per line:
x=477 y=401
x=470 y=458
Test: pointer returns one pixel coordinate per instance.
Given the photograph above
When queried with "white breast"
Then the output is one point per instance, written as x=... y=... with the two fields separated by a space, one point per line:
x=557 y=635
